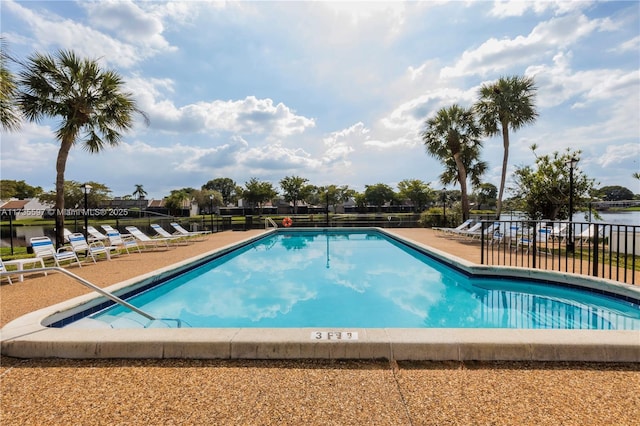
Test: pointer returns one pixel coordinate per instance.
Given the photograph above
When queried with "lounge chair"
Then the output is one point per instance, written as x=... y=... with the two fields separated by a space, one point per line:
x=147 y=240
x=588 y=234
x=121 y=241
x=477 y=227
x=487 y=232
x=43 y=248
x=464 y=225
x=162 y=233
x=19 y=264
x=95 y=235
x=181 y=231
x=96 y=248
x=559 y=231
x=542 y=240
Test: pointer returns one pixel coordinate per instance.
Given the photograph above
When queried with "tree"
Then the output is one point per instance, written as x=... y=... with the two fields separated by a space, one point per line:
x=543 y=191
x=507 y=103
x=140 y=193
x=636 y=175
x=257 y=193
x=379 y=194
x=74 y=194
x=205 y=201
x=614 y=193
x=18 y=189
x=295 y=189
x=486 y=194
x=175 y=201
x=225 y=186
x=90 y=102
x=453 y=137
x=416 y=191
x=9 y=116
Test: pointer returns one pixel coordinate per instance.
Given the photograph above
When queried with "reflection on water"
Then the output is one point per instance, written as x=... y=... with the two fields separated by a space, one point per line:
x=364 y=280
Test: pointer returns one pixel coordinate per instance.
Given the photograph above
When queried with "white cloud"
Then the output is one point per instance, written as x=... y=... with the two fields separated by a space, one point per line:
x=497 y=55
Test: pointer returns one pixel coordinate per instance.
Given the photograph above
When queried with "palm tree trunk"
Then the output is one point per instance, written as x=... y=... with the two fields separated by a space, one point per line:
x=462 y=178
x=61 y=164
x=505 y=160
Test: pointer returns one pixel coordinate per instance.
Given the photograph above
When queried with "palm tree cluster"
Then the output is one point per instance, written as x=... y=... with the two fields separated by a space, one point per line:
x=454 y=134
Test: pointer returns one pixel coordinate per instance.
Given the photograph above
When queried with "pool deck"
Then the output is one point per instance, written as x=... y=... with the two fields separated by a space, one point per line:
x=368 y=391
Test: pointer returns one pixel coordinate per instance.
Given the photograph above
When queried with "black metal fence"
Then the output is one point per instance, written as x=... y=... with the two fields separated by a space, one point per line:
x=597 y=249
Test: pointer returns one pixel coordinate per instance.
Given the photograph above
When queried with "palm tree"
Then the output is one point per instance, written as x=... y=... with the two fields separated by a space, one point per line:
x=90 y=102
x=453 y=137
x=140 y=193
x=9 y=118
x=636 y=175
x=507 y=103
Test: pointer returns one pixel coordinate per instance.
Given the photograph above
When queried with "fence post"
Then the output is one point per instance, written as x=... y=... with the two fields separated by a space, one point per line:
x=596 y=242
x=482 y=244
x=534 y=247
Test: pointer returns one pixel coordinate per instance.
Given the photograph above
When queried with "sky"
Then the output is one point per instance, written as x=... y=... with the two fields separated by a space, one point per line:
x=334 y=92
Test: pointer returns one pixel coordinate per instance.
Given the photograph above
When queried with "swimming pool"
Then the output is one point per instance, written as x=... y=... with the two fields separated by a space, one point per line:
x=360 y=279
x=33 y=335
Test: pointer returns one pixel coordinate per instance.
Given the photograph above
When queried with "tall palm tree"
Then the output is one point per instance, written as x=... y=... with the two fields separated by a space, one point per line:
x=140 y=193
x=453 y=137
x=9 y=118
x=506 y=104
x=90 y=102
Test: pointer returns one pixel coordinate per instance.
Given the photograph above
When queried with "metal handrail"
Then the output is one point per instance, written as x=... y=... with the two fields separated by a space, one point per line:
x=86 y=283
x=268 y=221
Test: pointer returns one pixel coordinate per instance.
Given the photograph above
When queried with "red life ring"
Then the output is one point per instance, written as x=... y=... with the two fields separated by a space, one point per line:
x=287 y=222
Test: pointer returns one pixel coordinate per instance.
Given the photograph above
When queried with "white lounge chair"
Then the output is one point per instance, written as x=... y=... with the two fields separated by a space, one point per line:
x=588 y=234
x=181 y=231
x=121 y=241
x=162 y=233
x=464 y=225
x=542 y=239
x=95 y=235
x=96 y=248
x=147 y=240
x=475 y=228
x=43 y=248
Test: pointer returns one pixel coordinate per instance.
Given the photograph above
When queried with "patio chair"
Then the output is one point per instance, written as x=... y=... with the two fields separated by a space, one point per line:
x=588 y=234
x=19 y=264
x=542 y=240
x=464 y=225
x=162 y=233
x=94 y=249
x=559 y=231
x=181 y=231
x=43 y=248
x=118 y=240
x=147 y=240
x=95 y=235
x=464 y=232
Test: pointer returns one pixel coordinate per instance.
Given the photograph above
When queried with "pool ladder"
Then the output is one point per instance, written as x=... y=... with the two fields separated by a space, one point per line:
x=86 y=283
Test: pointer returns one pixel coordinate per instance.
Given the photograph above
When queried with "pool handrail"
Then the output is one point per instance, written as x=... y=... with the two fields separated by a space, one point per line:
x=269 y=221
x=86 y=283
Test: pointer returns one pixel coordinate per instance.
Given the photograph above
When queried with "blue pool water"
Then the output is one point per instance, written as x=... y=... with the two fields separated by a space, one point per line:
x=362 y=279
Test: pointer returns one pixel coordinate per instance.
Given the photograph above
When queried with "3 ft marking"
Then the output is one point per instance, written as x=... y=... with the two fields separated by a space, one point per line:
x=334 y=335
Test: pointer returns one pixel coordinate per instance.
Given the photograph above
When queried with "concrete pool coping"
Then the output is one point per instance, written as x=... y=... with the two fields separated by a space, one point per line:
x=27 y=337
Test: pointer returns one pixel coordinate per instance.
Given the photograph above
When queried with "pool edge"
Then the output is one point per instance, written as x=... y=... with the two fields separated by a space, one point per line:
x=26 y=337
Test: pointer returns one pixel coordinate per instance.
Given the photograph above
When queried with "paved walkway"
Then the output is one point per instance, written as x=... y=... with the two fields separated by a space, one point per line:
x=208 y=392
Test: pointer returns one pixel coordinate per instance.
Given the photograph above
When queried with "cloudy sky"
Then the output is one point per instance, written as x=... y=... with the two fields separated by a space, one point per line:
x=333 y=92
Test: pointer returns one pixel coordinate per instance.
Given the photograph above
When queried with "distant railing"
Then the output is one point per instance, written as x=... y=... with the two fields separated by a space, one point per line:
x=597 y=249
